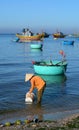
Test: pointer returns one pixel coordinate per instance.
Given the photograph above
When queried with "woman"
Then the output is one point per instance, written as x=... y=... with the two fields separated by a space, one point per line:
x=38 y=83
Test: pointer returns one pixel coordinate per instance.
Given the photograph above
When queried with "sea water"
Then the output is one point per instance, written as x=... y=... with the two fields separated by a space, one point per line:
x=61 y=93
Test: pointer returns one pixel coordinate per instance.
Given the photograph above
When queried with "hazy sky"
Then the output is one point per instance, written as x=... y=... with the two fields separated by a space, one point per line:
x=46 y=15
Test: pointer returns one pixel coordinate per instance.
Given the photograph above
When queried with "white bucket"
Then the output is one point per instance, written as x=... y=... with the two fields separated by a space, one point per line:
x=29 y=98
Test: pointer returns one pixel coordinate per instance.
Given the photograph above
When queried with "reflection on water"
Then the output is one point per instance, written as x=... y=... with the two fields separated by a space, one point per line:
x=36 y=50
x=31 y=112
x=36 y=53
x=54 y=78
x=35 y=110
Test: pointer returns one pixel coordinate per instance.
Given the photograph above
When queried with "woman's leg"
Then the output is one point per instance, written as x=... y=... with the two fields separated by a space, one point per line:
x=39 y=95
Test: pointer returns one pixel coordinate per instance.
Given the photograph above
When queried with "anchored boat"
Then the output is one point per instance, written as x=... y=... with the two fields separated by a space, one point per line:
x=50 y=68
x=36 y=46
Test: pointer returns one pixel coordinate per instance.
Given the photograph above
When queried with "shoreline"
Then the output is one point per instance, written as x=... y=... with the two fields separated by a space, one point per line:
x=21 y=115
x=65 y=124
x=55 y=120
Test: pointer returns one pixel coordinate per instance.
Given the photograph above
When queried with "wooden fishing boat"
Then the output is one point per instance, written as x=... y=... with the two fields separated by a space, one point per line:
x=36 y=46
x=58 y=35
x=50 y=68
x=24 y=38
x=68 y=42
x=46 y=35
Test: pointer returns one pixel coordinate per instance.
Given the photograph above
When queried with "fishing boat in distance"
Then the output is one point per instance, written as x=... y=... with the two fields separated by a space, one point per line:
x=50 y=67
x=46 y=35
x=27 y=35
x=67 y=42
x=58 y=35
x=24 y=38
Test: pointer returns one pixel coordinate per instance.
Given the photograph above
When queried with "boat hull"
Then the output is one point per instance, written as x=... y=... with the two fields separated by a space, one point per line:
x=29 y=38
x=55 y=69
x=58 y=36
x=68 y=42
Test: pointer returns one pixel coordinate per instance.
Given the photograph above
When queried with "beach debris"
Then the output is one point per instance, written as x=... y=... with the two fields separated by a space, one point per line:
x=1 y=125
x=26 y=121
x=18 y=122
x=36 y=120
x=34 y=125
x=7 y=124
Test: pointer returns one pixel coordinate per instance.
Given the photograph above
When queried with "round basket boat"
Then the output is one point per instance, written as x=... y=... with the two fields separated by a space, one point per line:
x=47 y=68
x=36 y=46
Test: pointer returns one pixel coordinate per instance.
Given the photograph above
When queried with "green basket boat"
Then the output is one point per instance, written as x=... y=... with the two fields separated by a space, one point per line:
x=36 y=46
x=50 y=68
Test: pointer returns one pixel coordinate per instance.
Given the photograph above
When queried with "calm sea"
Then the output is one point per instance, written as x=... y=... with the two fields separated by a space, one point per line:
x=61 y=93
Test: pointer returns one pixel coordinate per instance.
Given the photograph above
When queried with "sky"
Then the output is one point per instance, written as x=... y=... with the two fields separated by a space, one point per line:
x=39 y=15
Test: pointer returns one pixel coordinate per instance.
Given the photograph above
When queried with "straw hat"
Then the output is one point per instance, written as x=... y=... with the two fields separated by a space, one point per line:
x=28 y=77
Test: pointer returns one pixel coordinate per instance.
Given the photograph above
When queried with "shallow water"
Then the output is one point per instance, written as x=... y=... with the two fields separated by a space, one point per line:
x=61 y=92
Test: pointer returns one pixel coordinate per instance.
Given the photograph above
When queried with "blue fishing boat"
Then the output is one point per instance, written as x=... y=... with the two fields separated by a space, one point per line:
x=68 y=42
x=36 y=46
x=50 y=67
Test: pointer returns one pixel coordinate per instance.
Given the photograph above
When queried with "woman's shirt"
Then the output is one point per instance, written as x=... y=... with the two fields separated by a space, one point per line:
x=37 y=82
